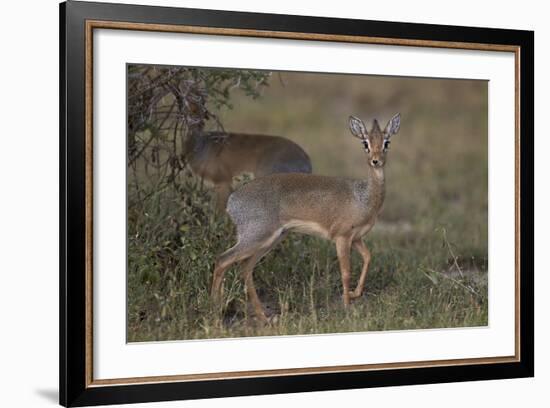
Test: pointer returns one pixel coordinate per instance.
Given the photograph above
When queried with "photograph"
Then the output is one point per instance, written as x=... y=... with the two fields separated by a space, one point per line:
x=255 y=203
x=279 y=203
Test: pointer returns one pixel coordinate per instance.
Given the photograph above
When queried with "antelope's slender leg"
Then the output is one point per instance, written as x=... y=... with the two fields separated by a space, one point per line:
x=247 y=271
x=248 y=267
x=343 y=249
x=223 y=190
x=360 y=246
x=224 y=261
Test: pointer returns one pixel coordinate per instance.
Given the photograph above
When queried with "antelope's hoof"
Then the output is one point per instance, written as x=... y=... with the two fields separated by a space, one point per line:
x=261 y=319
x=269 y=320
x=273 y=319
x=354 y=295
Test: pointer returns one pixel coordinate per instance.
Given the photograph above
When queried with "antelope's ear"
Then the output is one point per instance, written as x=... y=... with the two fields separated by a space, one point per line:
x=357 y=127
x=393 y=125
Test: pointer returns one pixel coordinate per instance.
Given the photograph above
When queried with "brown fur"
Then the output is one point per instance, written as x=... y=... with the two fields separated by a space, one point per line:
x=219 y=157
x=338 y=209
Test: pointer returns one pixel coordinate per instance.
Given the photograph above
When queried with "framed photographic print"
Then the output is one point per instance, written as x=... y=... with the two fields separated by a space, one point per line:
x=255 y=203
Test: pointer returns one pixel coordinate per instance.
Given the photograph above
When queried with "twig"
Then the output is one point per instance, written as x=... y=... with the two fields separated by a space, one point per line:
x=153 y=134
x=455 y=258
x=467 y=287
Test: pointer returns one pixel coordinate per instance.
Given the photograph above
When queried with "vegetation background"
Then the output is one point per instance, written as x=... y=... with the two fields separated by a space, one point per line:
x=429 y=247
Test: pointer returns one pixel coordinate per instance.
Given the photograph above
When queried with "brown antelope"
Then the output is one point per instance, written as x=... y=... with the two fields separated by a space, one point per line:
x=338 y=209
x=218 y=157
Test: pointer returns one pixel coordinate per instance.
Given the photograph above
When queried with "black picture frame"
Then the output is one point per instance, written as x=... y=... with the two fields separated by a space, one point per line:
x=75 y=389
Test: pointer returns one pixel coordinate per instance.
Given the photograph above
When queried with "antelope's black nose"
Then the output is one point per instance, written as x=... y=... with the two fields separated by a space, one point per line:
x=375 y=162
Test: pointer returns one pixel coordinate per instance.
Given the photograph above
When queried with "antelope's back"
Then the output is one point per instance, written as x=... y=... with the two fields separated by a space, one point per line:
x=271 y=154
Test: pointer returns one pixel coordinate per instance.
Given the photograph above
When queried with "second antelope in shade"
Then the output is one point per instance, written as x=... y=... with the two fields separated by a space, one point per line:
x=218 y=157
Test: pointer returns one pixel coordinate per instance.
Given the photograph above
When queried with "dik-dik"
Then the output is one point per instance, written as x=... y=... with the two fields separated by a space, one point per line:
x=218 y=157
x=342 y=210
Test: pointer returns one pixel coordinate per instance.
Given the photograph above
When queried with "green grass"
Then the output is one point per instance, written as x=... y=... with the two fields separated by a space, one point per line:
x=429 y=247
x=412 y=283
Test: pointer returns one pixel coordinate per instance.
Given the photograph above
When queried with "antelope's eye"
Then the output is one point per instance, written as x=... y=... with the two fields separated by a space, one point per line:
x=366 y=144
x=386 y=144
